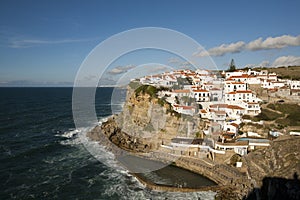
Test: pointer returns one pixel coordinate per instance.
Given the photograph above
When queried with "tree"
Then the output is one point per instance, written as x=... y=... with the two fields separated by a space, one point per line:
x=232 y=67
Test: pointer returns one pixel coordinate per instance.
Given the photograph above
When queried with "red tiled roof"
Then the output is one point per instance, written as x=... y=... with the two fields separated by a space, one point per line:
x=218 y=106
x=181 y=91
x=237 y=83
x=235 y=125
x=203 y=111
x=240 y=91
x=242 y=76
x=200 y=91
x=235 y=107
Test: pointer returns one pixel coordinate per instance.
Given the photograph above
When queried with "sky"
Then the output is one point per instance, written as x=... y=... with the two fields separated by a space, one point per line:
x=44 y=43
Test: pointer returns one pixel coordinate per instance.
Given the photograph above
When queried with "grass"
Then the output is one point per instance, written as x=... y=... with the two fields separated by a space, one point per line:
x=267 y=115
x=291 y=110
x=134 y=84
x=290 y=72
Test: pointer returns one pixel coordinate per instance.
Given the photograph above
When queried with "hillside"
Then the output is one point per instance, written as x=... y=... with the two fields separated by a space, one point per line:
x=291 y=72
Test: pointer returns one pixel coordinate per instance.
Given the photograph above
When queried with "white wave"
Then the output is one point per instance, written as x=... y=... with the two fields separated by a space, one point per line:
x=71 y=133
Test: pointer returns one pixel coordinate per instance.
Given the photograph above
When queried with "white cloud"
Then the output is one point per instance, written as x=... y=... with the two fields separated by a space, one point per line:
x=26 y=43
x=264 y=63
x=286 y=61
x=121 y=69
x=255 y=45
x=278 y=62
x=223 y=49
x=274 y=42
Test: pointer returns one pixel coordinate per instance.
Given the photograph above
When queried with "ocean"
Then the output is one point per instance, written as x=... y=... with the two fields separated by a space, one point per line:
x=43 y=157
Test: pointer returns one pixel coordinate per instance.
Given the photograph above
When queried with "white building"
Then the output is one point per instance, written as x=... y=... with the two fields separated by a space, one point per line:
x=181 y=93
x=236 y=97
x=216 y=94
x=200 y=95
x=188 y=110
x=295 y=85
x=231 y=128
x=234 y=111
x=230 y=86
x=251 y=108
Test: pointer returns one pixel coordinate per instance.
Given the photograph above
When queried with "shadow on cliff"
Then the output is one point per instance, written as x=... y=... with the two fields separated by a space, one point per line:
x=277 y=188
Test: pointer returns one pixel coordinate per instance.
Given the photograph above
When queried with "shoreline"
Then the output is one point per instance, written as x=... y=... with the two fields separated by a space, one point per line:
x=161 y=187
x=96 y=133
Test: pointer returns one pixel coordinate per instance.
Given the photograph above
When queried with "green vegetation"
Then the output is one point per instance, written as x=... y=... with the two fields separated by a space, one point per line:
x=134 y=84
x=266 y=115
x=162 y=101
x=181 y=82
x=235 y=158
x=187 y=100
x=232 y=66
x=146 y=89
x=291 y=110
x=290 y=72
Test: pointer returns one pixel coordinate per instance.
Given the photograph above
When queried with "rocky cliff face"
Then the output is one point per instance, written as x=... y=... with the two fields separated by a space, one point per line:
x=281 y=159
x=146 y=124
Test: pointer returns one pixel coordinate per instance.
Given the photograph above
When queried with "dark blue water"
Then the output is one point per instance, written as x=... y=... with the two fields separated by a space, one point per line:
x=38 y=161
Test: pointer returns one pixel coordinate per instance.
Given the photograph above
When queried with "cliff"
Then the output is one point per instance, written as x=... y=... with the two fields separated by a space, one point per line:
x=146 y=122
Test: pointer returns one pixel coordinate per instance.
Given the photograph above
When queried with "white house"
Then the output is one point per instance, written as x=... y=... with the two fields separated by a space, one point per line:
x=251 y=108
x=231 y=128
x=181 y=93
x=269 y=84
x=204 y=114
x=216 y=94
x=240 y=78
x=230 y=86
x=200 y=95
x=295 y=85
x=188 y=110
x=217 y=116
x=235 y=73
x=234 y=111
x=240 y=96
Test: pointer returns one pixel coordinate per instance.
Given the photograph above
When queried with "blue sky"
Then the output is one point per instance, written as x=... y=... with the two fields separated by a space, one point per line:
x=45 y=42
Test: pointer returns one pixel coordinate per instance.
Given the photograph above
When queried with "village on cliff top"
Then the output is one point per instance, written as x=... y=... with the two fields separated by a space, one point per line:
x=222 y=101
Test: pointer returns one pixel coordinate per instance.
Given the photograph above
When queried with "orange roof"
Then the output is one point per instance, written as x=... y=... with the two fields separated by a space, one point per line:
x=218 y=106
x=181 y=91
x=237 y=83
x=235 y=107
x=240 y=91
x=235 y=125
x=200 y=91
x=187 y=107
x=203 y=111
x=242 y=76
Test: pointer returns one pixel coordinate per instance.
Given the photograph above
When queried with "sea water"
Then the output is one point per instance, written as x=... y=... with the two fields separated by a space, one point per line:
x=43 y=156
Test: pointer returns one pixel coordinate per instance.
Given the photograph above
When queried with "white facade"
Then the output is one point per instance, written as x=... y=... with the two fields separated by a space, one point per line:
x=230 y=86
x=200 y=95
x=295 y=85
x=240 y=96
x=234 y=111
x=188 y=110
x=251 y=108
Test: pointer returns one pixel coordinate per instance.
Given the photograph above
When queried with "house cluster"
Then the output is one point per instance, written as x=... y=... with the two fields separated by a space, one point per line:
x=275 y=87
x=220 y=101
